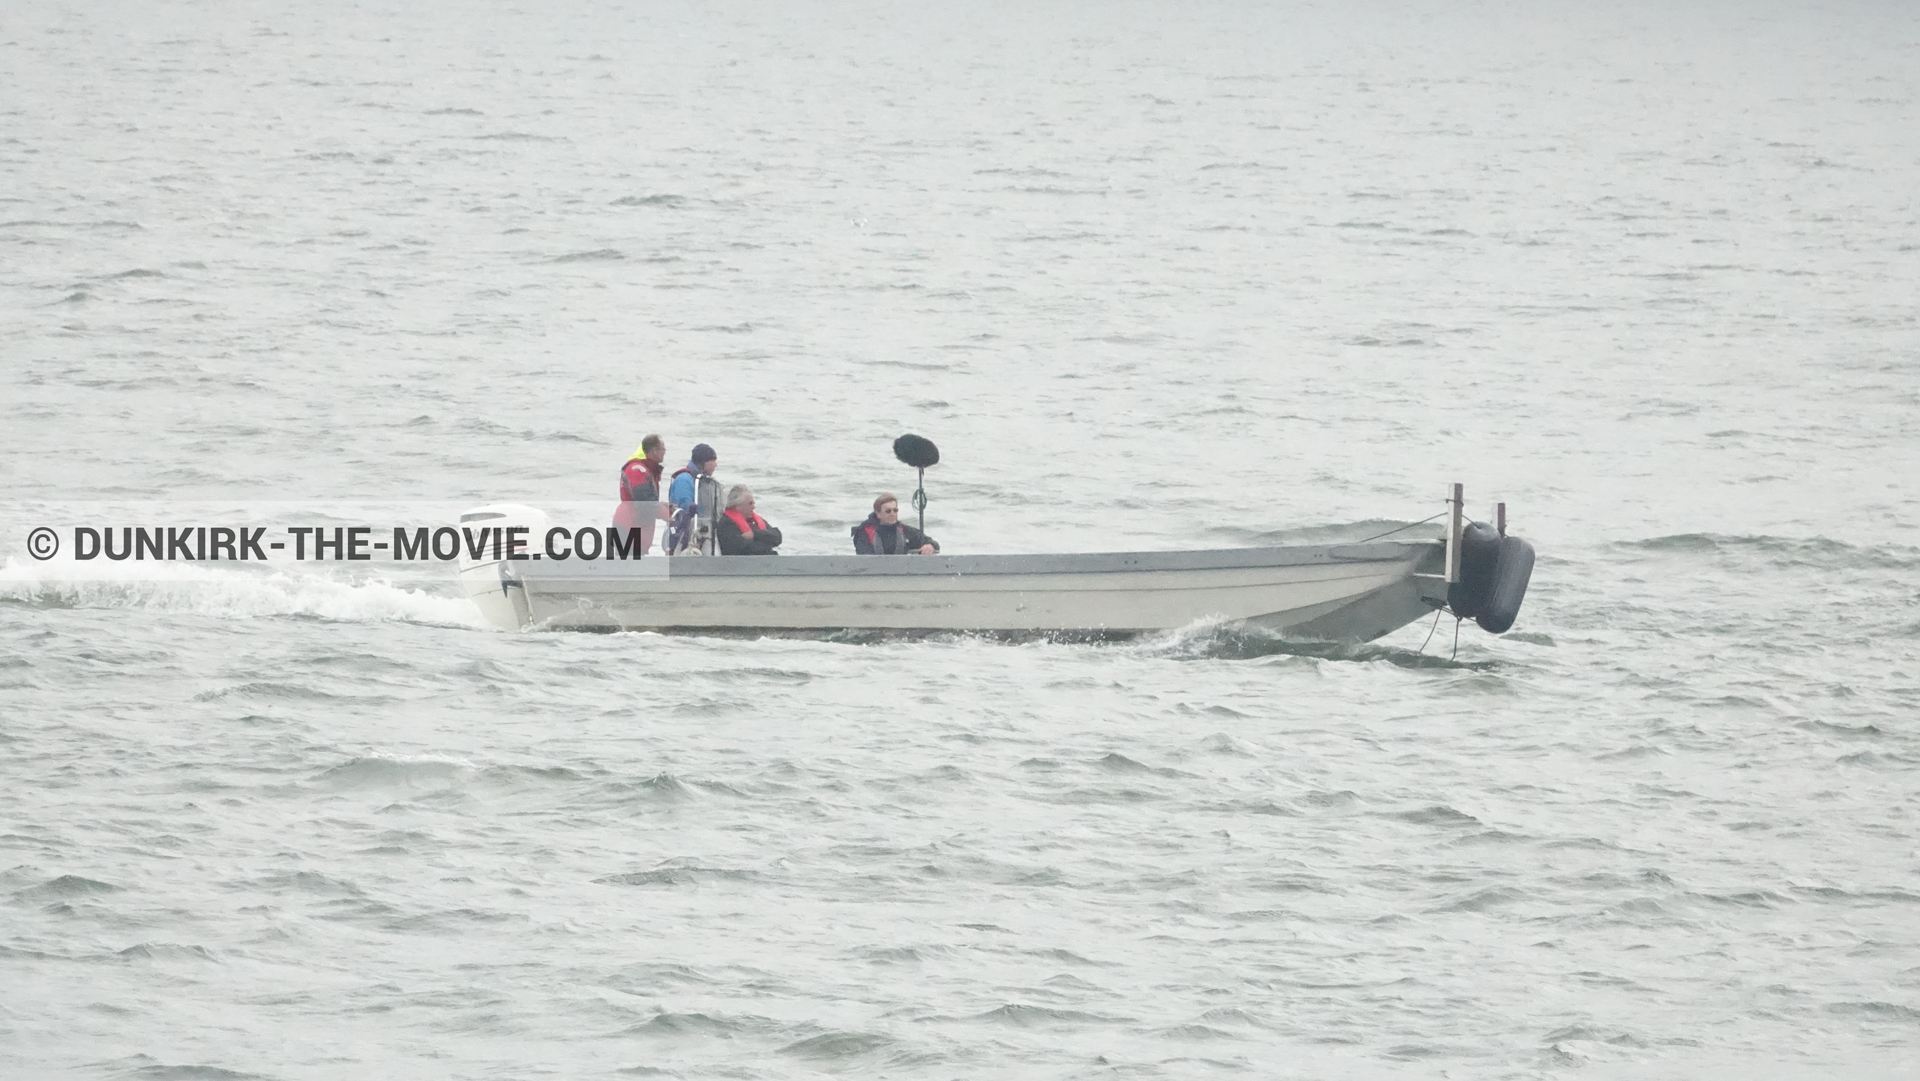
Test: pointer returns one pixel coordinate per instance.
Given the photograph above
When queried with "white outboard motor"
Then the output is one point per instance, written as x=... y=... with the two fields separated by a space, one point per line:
x=486 y=574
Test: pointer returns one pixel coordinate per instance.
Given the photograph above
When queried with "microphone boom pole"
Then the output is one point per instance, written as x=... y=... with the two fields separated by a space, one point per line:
x=918 y=452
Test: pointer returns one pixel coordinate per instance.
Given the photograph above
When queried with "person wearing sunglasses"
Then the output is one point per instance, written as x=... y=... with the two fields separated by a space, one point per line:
x=884 y=534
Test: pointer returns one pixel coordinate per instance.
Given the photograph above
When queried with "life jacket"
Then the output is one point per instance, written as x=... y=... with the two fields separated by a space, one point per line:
x=741 y=521
x=873 y=538
x=685 y=470
x=648 y=471
x=666 y=487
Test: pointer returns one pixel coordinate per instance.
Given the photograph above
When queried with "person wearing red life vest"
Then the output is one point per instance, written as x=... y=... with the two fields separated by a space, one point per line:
x=640 y=483
x=884 y=534
x=742 y=532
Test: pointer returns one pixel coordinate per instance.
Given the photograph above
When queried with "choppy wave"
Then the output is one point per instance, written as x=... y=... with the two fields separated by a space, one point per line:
x=1820 y=552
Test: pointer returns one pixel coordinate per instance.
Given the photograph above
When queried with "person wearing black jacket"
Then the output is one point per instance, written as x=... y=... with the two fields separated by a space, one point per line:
x=742 y=532
x=884 y=534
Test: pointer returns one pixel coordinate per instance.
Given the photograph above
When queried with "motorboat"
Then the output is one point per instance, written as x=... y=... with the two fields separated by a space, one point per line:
x=1343 y=592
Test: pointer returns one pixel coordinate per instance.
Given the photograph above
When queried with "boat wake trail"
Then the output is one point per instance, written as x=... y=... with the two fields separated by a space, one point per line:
x=232 y=594
x=1215 y=640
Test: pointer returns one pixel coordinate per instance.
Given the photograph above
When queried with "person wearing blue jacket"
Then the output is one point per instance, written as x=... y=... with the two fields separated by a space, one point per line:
x=687 y=534
x=701 y=463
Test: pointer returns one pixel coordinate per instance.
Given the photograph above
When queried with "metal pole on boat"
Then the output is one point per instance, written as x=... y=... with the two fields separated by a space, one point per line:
x=1500 y=516
x=918 y=452
x=1454 y=515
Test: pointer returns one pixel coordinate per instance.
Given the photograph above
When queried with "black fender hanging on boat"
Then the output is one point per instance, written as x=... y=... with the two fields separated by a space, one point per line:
x=1512 y=569
x=1479 y=550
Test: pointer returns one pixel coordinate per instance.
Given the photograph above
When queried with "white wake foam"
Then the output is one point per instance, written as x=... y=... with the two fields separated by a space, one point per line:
x=174 y=587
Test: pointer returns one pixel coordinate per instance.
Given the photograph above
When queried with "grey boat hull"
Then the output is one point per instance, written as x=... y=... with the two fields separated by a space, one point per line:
x=1333 y=592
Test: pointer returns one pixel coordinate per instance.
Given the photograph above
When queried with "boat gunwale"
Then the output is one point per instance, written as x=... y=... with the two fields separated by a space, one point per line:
x=860 y=566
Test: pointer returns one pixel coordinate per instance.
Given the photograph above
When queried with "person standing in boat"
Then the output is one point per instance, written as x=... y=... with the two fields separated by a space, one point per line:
x=742 y=532
x=690 y=512
x=884 y=534
x=640 y=483
x=682 y=491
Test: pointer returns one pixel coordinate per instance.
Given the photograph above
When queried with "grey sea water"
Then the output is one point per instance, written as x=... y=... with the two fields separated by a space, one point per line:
x=1154 y=276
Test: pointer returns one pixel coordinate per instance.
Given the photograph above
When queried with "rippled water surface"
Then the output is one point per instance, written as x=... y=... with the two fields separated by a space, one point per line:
x=1154 y=276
